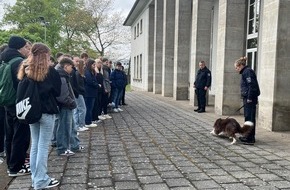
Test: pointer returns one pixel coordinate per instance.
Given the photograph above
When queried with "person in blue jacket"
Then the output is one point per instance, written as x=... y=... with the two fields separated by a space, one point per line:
x=201 y=85
x=250 y=91
x=118 y=83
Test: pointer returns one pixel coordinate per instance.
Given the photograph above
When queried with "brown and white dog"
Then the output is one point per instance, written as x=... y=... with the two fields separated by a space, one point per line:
x=229 y=127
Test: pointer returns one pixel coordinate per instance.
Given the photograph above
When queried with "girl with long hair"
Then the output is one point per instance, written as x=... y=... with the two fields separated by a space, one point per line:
x=37 y=67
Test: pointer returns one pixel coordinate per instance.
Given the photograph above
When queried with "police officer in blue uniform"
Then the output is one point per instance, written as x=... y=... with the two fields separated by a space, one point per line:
x=249 y=91
x=201 y=85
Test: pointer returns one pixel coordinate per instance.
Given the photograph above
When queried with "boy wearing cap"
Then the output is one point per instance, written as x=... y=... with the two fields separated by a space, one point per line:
x=17 y=134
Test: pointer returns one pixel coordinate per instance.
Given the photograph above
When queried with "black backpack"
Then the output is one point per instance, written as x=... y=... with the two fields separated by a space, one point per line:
x=28 y=106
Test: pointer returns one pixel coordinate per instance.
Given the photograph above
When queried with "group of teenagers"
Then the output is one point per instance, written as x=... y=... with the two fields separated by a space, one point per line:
x=74 y=95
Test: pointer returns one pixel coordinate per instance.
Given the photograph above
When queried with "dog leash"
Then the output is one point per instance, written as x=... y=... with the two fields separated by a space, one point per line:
x=236 y=111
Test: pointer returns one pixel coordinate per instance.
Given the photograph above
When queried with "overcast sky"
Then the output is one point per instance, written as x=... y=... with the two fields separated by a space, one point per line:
x=121 y=5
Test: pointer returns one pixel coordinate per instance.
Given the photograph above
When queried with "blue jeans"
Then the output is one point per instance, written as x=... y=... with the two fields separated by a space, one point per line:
x=56 y=121
x=63 y=131
x=41 y=132
x=90 y=101
x=80 y=112
x=74 y=139
x=117 y=95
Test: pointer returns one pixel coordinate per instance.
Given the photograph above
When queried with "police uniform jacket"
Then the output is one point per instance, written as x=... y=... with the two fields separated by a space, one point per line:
x=203 y=78
x=249 y=84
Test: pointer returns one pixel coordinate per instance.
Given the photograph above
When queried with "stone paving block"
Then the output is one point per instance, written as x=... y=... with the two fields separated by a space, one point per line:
x=121 y=169
x=230 y=168
x=253 y=182
x=206 y=184
x=73 y=186
x=99 y=174
x=127 y=185
x=161 y=186
x=241 y=174
x=170 y=174
x=80 y=179
x=269 y=177
x=102 y=182
x=184 y=188
x=125 y=177
x=99 y=167
x=266 y=187
x=150 y=179
x=247 y=164
x=189 y=169
x=224 y=179
x=280 y=184
x=257 y=170
x=197 y=176
x=140 y=166
x=177 y=182
x=235 y=186
x=73 y=172
x=215 y=172
x=146 y=172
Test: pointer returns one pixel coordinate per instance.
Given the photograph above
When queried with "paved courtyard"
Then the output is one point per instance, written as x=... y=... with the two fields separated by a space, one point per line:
x=157 y=144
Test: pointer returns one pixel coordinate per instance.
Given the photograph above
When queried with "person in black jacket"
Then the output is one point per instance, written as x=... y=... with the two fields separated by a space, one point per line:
x=17 y=134
x=201 y=85
x=2 y=117
x=37 y=67
x=250 y=91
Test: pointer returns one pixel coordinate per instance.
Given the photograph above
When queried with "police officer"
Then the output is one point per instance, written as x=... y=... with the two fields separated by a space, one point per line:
x=249 y=91
x=201 y=85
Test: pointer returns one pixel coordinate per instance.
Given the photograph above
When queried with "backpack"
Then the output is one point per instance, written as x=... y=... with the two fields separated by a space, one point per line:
x=28 y=106
x=7 y=91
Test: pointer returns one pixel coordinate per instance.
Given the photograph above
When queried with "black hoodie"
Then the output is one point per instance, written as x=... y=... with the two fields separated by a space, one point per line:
x=6 y=56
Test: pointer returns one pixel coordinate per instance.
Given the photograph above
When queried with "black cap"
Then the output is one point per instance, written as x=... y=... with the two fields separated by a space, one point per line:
x=16 y=42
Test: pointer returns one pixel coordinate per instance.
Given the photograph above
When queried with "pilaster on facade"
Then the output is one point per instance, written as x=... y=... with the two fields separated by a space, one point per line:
x=274 y=45
x=182 y=49
x=158 y=46
x=230 y=47
x=168 y=48
x=201 y=39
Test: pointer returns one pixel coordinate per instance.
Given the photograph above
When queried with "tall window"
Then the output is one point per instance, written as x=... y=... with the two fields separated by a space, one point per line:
x=137 y=29
x=252 y=32
x=135 y=68
x=141 y=26
x=140 y=66
x=135 y=32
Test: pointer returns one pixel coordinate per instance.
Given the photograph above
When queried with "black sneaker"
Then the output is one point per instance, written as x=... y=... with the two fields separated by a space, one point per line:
x=200 y=111
x=246 y=141
x=196 y=110
x=24 y=171
x=52 y=183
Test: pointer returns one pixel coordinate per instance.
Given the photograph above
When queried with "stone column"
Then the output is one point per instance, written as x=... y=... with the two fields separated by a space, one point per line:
x=230 y=47
x=168 y=48
x=151 y=48
x=274 y=67
x=201 y=39
x=182 y=49
x=158 y=44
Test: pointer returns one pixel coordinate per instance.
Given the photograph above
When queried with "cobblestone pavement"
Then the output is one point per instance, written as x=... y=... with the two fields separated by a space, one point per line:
x=158 y=144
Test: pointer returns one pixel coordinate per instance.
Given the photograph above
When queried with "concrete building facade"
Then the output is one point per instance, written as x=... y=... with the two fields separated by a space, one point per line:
x=170 y=37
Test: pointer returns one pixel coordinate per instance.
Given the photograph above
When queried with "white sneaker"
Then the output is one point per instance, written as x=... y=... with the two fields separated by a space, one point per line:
x=107 y=116
x=82 y=129
x=67 y=153
x=92 y=125
x=116 y=110
x=97 y=121
x=101 y=117
x=120 y=109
